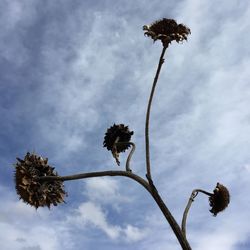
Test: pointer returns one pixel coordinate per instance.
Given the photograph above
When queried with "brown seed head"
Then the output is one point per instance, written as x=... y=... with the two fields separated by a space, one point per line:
x=220 y=199
x=167 y=30
x=32 y=191
x=117 y=133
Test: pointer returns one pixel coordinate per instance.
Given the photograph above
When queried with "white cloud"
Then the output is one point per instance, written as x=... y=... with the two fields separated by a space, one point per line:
x=92 y=214
x=106 y=191
x=221 y=234
x=247 y=167
x=15 y=17
x=23 y=227
x=134 y=234
x=44 y=236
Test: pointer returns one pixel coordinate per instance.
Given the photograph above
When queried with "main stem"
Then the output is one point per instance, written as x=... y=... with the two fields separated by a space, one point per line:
x=169 y=217
x=161 y=61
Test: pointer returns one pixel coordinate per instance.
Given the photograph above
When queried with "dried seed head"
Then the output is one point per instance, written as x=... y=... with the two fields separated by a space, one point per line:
x=167 y=30
x=115 y=134
x=220 y=199
x=32 y=191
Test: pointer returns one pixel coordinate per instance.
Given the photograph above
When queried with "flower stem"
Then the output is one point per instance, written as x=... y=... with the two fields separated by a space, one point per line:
x=161 y=61
x=130 y=153
x=190 y=201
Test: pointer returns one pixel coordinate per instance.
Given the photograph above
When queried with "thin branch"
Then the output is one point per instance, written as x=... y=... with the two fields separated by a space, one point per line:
x=204 y=192
x=161 y=61
x=130 y=153
x=97 y=174
x=184 y=218
x=190 y=201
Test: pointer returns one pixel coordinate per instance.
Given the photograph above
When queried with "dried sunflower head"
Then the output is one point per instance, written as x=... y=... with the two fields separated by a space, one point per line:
x=220 y=199
x=167 y=30
x=32 y=191
x=115 y=134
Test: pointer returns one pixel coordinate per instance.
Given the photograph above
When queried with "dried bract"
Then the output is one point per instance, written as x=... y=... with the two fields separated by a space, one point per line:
x=220 y=199
x=30 y=189
x=116 y=134
x=167 y=30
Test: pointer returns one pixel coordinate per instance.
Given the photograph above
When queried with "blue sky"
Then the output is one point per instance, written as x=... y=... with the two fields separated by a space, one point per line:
x=70 y=69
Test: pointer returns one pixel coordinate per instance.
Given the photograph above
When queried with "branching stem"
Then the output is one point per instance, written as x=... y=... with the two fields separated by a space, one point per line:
x=149 y=186
x=169 y=217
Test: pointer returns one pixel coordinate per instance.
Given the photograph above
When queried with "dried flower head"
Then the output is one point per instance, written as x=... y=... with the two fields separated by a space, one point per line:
x=115 y=134
x=167 y=30
x=32 y=191
x=220 y=199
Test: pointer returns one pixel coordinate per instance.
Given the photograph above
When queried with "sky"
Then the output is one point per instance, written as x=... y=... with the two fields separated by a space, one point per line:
x=71 y=69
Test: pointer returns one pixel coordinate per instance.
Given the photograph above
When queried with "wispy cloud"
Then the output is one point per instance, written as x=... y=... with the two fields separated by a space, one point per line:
x=22 y=227
x=106 y=191
x=91 y=214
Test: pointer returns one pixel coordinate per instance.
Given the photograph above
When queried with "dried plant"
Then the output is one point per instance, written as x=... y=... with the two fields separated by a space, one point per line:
x=33 y=191
x=117 y=140
x=220 y=199
x=167 y=30
x=39 y=185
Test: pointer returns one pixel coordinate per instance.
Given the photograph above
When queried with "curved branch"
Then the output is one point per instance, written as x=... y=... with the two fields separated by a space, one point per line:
x=184 y=218
x=130 y=153
x=130 y=156
x=97 y=174
x=190 y=201
x=203 y=191
x=161 y=61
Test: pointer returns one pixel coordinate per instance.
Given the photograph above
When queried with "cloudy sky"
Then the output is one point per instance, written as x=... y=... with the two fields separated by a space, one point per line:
x=71 y=69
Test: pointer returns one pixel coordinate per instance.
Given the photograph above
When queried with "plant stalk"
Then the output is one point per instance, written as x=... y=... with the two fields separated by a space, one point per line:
x=130 y=153
x=161 y=61
x=190 y=201
x=169 y=217
x=97 y=174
